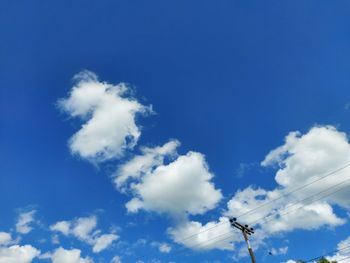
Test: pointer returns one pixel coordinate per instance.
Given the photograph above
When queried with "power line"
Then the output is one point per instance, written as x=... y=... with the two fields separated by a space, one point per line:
x=296 y=189
x=200 y=232
x=314 y=195
x=328 y=253
x=226 y=235
x=270 y=201
x=210 y=242
x=343 y=259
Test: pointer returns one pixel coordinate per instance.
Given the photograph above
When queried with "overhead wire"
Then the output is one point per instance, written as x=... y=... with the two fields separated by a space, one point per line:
x=327 y=254
x=226 y=235
x=296 y=189
x=270 y=201
x=210 y=242
x=318 y=199
x=309 y=197
x=343 y=259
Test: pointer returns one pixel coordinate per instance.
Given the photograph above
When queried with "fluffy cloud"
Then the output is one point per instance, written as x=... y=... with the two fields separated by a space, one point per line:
x=304 y=158
x=109 y=115
x=213 y=235
x=181 y=186
x=24 y=222
x=164 y=182
x=84 y=228
x=141 y=164
x=18 y=254
x=62 y=255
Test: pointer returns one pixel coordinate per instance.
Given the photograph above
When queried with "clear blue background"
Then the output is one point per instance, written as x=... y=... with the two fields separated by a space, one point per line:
x=227 y=78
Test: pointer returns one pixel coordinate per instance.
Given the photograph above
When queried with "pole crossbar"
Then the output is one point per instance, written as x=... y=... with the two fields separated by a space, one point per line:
x=246 y=231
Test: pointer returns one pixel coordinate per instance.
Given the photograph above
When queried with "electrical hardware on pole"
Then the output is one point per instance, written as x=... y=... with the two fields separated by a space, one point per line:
x=246 y=231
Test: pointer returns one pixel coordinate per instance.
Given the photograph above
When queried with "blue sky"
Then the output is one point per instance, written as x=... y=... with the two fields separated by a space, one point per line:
x=206 y=95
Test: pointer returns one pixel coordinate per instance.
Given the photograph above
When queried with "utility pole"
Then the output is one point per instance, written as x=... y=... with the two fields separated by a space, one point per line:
x=246 y=231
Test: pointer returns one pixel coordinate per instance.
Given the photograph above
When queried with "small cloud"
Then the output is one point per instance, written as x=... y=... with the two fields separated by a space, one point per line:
x=245 y=168
x=62 y=226
x=103 y=241
x=116 y=259
x=279 y=251
x=84 y=228
x=164 y=248
x=25 y=221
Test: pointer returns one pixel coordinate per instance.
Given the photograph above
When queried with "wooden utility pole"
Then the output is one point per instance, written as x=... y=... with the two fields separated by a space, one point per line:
x=246 y=231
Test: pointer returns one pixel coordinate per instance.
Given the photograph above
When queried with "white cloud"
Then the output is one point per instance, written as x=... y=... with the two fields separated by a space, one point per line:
x=141 y=164
x=24 y=222
x=62 y=226
x=182 y=186
x=18 y=254
x=213 y=235
x=5 y=238
x=81 y=227
x=164 y=248
x=110 y=126
x=304 y=158
x=103 y=241
x=84 y=228
x=62 y=255
x=164 y=182
x=279 y=251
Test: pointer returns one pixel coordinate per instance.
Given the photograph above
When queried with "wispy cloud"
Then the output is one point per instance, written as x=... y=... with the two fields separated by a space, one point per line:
x=25 y=221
